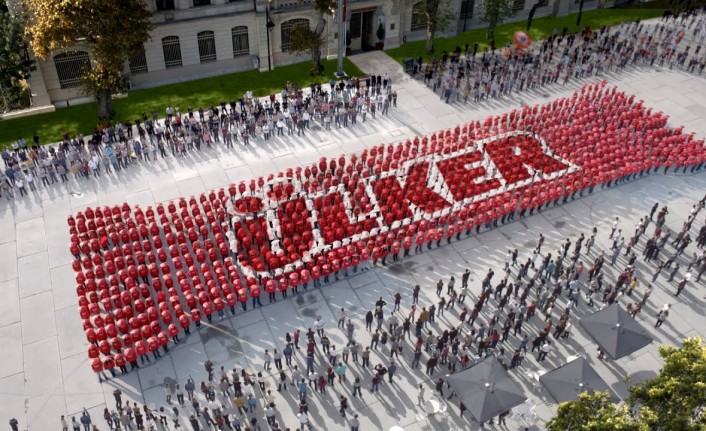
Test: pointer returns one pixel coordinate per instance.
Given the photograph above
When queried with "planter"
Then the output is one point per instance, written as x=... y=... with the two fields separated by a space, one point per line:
x=379 y=46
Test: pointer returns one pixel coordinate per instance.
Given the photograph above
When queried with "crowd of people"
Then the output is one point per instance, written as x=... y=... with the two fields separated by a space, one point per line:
x=147 y=276
x=466 y=74
x=114 y=147
x=528 y=308
x=125 y=292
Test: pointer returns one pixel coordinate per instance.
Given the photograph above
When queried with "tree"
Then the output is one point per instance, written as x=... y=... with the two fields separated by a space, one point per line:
x=306 y=40
x=493 y=13
x=674 y=399
x=437 y=16
x=594 y=412
x=15 y=67
x=113 y=30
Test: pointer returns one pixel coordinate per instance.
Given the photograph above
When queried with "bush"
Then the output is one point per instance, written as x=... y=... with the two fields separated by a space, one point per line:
x=16 y=97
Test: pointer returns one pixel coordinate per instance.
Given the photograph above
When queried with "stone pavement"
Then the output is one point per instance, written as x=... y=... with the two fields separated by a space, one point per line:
x=46 y=371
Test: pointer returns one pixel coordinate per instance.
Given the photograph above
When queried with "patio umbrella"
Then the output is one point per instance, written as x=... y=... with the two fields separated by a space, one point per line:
x=615 y=331
x=568 y=381
x=486 y=389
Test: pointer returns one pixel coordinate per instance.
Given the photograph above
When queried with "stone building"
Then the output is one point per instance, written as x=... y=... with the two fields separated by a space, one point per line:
x=199 y=38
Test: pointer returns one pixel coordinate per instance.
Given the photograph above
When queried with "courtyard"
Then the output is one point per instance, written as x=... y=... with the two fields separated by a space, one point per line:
x=46 y=372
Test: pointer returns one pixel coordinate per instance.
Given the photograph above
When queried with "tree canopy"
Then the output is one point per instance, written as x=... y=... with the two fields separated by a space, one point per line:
x=14 y=64
x=113 y=30
x=672 y=401
x=306 y=40
x=494 y=11
x=593 y=412
x=437 y=15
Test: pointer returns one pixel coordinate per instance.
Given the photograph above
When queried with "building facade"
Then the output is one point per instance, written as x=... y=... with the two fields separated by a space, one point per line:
x=200 y=38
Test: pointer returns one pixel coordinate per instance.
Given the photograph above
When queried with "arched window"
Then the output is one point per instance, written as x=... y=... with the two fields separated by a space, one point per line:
x=286 y=31
x=172 y=51
x=138 y=62
x=241 y=41
x=518 y=5
x=70 y=66
x=207 y=46
x=419 y=17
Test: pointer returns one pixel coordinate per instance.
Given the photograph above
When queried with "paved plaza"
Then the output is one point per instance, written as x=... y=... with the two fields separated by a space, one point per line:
x=46 y=372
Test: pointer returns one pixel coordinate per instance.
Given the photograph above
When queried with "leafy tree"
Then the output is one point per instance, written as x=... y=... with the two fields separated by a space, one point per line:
x=306 y=40
x=114 y=30
x=594 y=412
x=674 y=399
x=14 y=64
x=494 y=11
x=437 y=15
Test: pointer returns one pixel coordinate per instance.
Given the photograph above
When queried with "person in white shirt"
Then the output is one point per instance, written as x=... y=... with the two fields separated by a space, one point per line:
x=304 y=420
x=319 y=326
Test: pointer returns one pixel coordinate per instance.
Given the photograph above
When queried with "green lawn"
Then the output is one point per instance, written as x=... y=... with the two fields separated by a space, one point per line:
x=541 y=28
x=203 y=92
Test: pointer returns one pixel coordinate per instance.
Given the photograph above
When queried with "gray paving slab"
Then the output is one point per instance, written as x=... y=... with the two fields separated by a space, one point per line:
x=42 y=367
x=12 y=397
x=10 y=304
x=44 y=411
x=63 y=285
x=81 y=387
x=72 y=340
x=156 y=373
x=30 y=237
x=37 y=321
x=7 y=218
x=34 y=274
x=8 y=265
x=11 y=335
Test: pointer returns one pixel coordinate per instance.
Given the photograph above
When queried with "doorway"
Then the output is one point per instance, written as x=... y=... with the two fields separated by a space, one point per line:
x=361 y=30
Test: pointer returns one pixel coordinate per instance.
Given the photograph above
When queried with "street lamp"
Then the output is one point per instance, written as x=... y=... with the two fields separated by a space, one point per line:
x=270 y=25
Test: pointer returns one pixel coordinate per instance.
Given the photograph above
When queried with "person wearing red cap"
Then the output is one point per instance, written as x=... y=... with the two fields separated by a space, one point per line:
x=255 y=293
x=173 y=332
x=97 y=366
x=243 y=298
x=141 y=349
x=131 y=358
x=406 y=244
x=109 y=364
x=153 y=346
x=120 y=362
x=185 y=324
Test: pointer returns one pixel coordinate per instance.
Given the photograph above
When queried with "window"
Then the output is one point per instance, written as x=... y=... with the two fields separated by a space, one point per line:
x=70 y=66
x=518 y=5
x=467 y=9
x=241 y=41
x=138 y=62
x=172 y=51
x=355 y=25
x=165 y=4
x=198 y=3
x=207 y=46
x=286 y=31
x=419 y=17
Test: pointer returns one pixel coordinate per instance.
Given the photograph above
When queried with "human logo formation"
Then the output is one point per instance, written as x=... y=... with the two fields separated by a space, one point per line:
x=145 y=276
